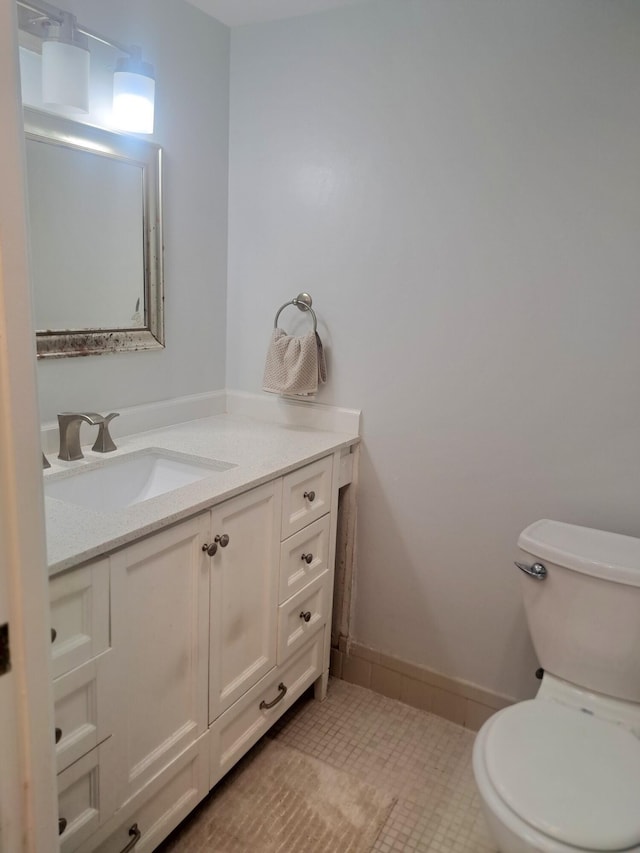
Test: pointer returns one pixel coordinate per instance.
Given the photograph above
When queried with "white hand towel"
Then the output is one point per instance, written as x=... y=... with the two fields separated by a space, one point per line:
x=294 y=365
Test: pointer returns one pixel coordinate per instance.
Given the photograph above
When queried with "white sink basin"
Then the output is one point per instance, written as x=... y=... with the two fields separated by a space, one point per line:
x=129 y=479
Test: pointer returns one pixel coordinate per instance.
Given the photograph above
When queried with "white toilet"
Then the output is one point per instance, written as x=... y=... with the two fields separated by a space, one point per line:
x=561 y=773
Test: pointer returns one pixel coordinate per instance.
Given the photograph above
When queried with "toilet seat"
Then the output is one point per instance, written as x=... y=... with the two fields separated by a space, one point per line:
x=560 y=747
x=581 y=787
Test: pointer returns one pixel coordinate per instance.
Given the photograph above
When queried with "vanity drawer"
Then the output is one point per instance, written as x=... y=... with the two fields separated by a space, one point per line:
x=84 y=800
x=236 y=731
x=301 y=616
x=303 y=557
x=161 y=805
x=306 y=495
x=84 y=708
x=79 y=603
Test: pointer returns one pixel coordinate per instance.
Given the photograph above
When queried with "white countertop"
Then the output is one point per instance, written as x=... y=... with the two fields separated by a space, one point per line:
x=261 y=451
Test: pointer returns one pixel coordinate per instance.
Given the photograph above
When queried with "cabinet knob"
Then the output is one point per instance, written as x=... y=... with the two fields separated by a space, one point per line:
x=222 y=539
x=54 y=634
x=58 y=734
x=308 y=558
x=310 y=496
x=62 y=825
x=210 y=549
x=306 y=615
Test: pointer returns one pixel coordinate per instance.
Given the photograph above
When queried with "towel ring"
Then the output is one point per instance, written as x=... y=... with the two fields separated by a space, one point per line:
x=302 y=302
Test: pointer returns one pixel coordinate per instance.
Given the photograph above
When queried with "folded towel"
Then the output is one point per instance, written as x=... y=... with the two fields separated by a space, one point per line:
x=322 y=364
x=294 y=365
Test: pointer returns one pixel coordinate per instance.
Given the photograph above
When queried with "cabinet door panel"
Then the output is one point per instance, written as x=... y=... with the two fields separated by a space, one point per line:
x=244 y=593
x=160 y=629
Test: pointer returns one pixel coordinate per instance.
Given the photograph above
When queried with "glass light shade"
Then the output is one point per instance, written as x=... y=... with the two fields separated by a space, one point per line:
x=65 y=76
x=133 y=101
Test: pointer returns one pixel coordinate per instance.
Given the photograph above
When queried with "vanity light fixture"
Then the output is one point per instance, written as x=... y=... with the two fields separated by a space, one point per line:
x=134 y=93
x=65 y=67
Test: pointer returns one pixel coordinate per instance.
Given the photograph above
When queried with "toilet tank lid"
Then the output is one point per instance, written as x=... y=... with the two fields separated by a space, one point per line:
x=610 y=556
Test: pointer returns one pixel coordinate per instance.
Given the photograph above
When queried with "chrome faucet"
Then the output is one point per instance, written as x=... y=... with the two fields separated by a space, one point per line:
x=69 y=424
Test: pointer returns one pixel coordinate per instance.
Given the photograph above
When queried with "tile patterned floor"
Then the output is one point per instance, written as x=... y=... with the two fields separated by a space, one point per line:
x=422 y=760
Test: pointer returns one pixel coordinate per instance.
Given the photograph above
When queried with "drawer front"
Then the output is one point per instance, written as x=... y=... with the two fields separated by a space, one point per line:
x=306 y=495
x=303 y=557
x=83 y=708
x=84 y=801
x=153 y=813
x=244 y=723
x=79 y=604
x=301 y=616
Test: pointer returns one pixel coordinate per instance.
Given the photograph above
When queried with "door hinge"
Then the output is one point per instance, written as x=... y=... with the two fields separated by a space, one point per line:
x=5 y=650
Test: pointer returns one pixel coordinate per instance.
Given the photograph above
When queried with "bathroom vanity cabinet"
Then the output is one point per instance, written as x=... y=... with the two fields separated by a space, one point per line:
x=173 y=655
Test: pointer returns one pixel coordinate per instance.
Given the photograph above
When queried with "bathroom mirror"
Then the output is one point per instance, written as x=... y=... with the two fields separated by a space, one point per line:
x=95 y=225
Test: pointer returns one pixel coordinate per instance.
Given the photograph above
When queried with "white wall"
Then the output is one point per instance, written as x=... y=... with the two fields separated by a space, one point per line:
x=190 y=52
x=458 y=186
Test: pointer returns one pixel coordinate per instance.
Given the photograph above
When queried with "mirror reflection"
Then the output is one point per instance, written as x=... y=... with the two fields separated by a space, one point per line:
x=95 y=223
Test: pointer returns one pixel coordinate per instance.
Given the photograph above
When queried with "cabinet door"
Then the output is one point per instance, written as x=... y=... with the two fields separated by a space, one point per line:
x=244 y=593
x=160 y=610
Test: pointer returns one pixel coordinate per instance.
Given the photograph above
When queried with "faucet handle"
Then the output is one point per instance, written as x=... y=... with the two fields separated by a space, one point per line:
x=104 y=443
x=92 y=418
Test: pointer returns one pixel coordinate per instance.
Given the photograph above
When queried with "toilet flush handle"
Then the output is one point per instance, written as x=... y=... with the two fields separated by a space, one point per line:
x=536 y=571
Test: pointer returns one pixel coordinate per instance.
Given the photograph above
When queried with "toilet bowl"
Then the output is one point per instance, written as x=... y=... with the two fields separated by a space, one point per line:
x=557 y=779
x=561 y=773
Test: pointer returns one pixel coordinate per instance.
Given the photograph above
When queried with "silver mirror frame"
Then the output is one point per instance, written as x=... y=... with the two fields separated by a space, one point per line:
x=61 y=343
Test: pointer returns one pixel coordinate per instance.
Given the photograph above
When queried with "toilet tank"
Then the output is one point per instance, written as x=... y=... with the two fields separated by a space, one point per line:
x=584 y=617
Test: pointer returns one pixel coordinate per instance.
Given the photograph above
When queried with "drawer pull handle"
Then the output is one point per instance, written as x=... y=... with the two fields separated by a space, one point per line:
x=310 y=496
x=58 y=734
x=283 y=690
x=306 y=615
x=62 y=825
x=136 y=835
x=308 y=558
x=222 y=540
x=54 y=634
x=210 y=549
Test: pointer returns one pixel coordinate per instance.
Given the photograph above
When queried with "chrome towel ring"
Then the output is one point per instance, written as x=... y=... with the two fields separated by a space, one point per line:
x=302 y=302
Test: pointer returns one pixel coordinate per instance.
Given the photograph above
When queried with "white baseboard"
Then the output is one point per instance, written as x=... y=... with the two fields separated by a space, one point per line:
x=135 y=419
x=282 y=410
